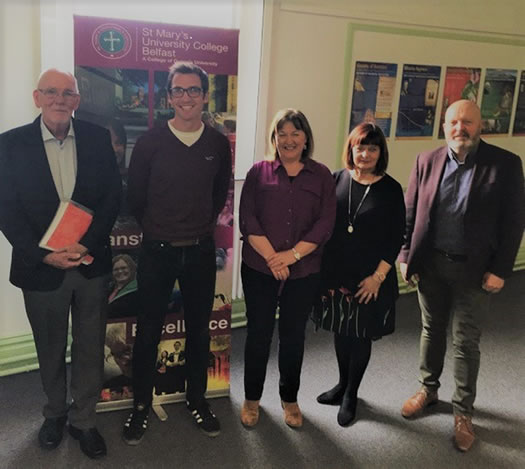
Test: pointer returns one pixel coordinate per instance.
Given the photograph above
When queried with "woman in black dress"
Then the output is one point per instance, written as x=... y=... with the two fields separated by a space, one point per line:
x=358 y=275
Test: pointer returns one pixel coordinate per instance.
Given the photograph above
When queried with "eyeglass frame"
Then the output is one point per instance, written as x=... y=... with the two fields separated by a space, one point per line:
x=66 y=94
x=186 y=90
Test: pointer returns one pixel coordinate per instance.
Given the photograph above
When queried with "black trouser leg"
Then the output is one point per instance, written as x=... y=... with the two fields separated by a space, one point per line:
x=197 y=284
x=260 y=293
x=156 y=277
x=295 y=304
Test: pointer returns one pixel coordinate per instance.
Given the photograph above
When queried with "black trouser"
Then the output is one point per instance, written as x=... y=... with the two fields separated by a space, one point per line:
x=160 y=265
x=261 y=293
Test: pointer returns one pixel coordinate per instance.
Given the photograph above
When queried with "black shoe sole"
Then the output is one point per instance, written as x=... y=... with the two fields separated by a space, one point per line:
x=210 y=434
x=134 y=442
x=49 y=446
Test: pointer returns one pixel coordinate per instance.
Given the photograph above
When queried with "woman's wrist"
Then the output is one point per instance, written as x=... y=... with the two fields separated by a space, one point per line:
x=379 y=276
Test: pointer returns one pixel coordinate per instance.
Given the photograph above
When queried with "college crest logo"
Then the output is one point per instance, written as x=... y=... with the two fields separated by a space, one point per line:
x=111 y=41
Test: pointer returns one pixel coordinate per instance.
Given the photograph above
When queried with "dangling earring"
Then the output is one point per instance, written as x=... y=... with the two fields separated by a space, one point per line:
x=304 y=148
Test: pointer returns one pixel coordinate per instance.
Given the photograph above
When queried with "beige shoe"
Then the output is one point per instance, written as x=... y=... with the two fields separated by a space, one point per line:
x=292 y=414
x=250 y=413
x=463 y=432
x=419 y=401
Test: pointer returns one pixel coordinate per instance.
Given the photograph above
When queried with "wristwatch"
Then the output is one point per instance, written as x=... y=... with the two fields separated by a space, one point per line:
x=296 y=254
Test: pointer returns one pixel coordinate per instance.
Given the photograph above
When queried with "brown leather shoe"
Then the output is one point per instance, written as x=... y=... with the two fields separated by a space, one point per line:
x=463 y=432
x=292 y=414
x=415 y=405
x=250 y=413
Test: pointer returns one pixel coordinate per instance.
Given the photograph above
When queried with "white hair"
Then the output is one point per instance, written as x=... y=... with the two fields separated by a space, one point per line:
x=52 y=69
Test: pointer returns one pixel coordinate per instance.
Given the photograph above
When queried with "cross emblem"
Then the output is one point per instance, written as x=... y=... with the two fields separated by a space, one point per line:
x=111 y=40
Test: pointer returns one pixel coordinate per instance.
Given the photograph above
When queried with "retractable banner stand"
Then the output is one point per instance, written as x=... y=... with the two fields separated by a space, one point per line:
x=121 y=67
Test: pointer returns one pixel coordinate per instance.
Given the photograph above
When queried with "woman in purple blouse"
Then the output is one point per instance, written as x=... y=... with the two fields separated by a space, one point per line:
x=287 y=213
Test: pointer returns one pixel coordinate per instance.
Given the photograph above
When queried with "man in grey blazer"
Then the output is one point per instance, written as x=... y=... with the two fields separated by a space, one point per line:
x=52 y=159
x=464 y=225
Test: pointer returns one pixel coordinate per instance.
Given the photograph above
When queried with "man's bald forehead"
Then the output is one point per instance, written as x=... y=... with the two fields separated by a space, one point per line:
x=52 y=73
x=463 y=106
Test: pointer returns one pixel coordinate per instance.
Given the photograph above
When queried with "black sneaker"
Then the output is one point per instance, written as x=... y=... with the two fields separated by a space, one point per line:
x=136 y=425
x=205 y=418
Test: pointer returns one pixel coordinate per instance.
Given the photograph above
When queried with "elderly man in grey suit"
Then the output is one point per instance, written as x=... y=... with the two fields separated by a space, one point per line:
x=464 y=225
x=53 y=159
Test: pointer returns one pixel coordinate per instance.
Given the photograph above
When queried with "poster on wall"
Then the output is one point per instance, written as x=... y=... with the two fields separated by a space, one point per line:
x=460 y=83
x=519 y=119
x=122 y=67
x=373 y=94
x=496 y=101
x=417 y=100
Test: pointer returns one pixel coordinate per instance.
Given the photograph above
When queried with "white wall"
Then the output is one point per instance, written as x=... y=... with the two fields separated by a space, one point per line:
x=19 y=65
x=307 y=58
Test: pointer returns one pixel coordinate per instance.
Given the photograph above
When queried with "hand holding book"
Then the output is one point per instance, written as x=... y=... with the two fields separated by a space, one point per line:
x=70 y=223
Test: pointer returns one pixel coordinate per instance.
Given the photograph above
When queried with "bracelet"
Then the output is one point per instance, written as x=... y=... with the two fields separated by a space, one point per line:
x=296 y=254
x=380 y=276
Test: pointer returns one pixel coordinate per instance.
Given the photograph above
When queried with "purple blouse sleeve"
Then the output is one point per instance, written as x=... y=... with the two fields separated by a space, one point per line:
x=248 y=222
x=322 y=228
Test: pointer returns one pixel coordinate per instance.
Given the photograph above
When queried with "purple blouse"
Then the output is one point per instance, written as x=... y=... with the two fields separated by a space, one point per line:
x=287 y=212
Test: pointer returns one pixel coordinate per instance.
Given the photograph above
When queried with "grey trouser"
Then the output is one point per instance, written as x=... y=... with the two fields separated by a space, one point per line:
x=444 y=290
x=48 y=313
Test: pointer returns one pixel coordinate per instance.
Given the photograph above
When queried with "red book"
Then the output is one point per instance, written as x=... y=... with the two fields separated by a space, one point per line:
x=69 y=224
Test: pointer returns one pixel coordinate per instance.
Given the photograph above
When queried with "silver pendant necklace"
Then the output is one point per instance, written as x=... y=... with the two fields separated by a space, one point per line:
x=351 y=220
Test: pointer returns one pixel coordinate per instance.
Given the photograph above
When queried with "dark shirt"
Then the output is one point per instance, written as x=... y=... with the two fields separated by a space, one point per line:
x=287 y=212
x=378 y=233
x=451 y=204
x=176 y=191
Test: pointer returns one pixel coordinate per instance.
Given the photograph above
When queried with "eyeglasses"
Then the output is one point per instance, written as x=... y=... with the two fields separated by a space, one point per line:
x=193 y=92
x=52 y=93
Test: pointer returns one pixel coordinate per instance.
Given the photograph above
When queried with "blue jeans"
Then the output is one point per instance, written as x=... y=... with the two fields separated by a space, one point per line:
x=160 y=265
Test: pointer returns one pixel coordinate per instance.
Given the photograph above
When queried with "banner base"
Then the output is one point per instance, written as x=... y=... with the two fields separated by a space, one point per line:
x=160 y=412
x=158 y=401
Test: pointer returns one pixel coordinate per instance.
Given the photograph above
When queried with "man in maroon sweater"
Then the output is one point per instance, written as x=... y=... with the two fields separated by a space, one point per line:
x=178 y=181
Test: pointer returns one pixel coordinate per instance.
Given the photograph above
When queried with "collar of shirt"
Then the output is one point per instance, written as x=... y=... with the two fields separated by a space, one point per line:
x=469 y=160
x=47 y=135
x=276 y=164
x=188 y=138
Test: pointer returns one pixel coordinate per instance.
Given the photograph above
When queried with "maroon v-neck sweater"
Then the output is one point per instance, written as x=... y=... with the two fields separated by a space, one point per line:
x=176 y=191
